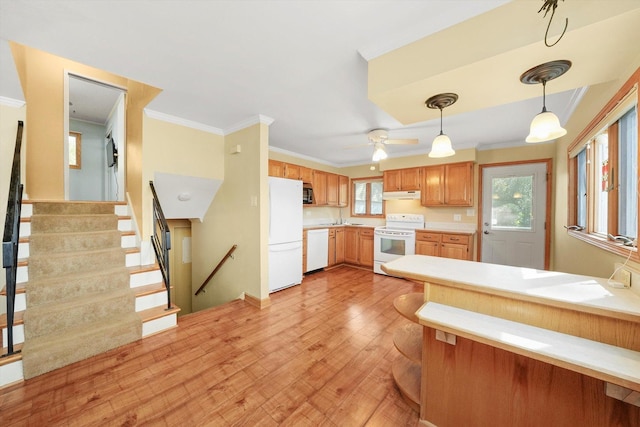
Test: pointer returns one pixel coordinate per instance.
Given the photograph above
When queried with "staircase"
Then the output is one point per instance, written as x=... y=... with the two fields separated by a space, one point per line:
x=82 y=289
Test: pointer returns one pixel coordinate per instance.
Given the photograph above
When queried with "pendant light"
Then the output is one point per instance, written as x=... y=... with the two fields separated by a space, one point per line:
x=378 y=152
x=546 y=125
x=441 y=146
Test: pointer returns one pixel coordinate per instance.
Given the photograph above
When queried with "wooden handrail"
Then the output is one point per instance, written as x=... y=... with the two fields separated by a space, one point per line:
x=215 y=270
x=11 y=236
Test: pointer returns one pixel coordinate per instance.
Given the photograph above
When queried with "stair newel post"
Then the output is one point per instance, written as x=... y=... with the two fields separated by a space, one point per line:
x=161 y=243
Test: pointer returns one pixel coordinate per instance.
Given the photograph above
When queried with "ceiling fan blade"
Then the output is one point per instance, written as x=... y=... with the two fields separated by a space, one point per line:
x=401 y=141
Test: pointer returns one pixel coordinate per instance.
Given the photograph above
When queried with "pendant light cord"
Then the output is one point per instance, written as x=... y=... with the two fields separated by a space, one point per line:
x=440 y=108
x=544 y=96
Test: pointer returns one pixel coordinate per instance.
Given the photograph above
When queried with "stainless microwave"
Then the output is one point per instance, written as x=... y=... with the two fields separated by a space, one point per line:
x=307 y=195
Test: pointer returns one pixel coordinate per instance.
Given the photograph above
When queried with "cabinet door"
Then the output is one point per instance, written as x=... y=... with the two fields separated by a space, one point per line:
x=391 y=180
x=332 y=189
x=458 y=184
x=428 y=248
x=291 y=171
x=453 y=250
x=306 y=174
x=332 y=247
x=320 y=188
x=410 y=179
x=276 y=168
x=351 y=245
x=432 y=193
x=339 y=245
x=343 y=191
x=365 y=249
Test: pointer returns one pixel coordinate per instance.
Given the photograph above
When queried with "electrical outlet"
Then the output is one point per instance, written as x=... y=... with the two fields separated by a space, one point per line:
x=457 y=217
x=624 y=277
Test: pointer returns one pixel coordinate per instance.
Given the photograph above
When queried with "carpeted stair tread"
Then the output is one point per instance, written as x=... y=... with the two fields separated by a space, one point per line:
x=46 y=353
x=49 y=318
x=73 y=223
x=40 y=243
x=52 y=289
x=62 y=263
x=77 y=208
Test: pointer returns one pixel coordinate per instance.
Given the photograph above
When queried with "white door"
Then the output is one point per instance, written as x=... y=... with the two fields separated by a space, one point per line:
x=514 y=204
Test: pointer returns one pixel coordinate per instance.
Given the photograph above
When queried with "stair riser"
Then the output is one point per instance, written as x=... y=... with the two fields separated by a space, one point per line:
x=11 y=373
x=44 y=266
x=68 y=208
x=150 y=301
x=158 y=325
x=72 y=223
x=58 y=320
x=123 y=225
x=18 y=335
x=74 y=242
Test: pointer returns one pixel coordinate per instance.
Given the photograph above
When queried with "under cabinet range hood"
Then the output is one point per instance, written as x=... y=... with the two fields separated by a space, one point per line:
x=401 y=195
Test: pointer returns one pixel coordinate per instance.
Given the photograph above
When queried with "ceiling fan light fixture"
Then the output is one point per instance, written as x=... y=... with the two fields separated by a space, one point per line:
x=546 y=125
x=441 y=146
x=378 y=152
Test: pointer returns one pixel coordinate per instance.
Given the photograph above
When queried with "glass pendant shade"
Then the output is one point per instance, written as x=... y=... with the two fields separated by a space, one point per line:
x=545 y=127
x=379 y=153
x=441 y=147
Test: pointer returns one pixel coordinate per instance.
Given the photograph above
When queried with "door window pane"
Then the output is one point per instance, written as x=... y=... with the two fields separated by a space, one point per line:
x=512 y=203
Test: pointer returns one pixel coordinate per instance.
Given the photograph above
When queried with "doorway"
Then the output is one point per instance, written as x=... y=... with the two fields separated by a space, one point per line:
x=515 y=214
x=180 y=262
x=95 y=119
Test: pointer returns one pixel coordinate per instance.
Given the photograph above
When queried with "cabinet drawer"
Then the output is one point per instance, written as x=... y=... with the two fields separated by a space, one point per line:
x=455 y=238
x=428 y=237
x=366 y=232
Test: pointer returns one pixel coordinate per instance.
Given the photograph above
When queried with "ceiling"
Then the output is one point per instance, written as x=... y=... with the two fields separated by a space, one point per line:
x=327 y=72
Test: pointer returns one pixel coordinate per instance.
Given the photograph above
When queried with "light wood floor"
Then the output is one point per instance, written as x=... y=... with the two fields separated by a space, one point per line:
x=319 y=356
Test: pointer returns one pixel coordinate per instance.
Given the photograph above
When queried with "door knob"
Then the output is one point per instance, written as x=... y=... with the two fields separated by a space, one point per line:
x=486 y=232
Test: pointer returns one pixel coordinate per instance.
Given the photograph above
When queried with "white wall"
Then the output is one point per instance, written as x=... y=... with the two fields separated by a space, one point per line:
x=88 y=182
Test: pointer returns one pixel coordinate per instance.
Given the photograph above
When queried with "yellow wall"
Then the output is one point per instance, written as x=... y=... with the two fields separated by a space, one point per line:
x=180 y=150
x=234 y=219
x=42 y=77
x=570 y=254
x=9 y=117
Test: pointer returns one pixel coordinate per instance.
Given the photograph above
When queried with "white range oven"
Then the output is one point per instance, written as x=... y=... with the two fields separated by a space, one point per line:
x=396 y=239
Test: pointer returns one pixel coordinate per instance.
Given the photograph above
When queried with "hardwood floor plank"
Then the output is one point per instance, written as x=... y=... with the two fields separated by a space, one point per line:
x=320 y=355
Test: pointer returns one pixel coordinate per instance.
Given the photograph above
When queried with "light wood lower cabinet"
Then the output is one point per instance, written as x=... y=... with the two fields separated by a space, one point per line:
x=332 y=247
x=446 y=245
x=339 y=245
x=358 y=246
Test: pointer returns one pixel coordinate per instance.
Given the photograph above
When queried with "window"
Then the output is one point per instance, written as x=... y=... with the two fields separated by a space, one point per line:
x=367 y=197
x=75 y=150
x=603 y=175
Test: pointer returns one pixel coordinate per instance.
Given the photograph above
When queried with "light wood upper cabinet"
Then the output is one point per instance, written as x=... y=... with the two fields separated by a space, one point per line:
x=458 y=184
x=332 y=189
x=402 y=179
x=276 y=168
x=319 y=184
x=306 y=174
x=448 y=185
x=343 y=190
x=433 y=186
x=291 y=171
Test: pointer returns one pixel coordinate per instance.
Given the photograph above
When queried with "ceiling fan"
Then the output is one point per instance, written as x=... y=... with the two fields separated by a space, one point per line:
x=379 y=138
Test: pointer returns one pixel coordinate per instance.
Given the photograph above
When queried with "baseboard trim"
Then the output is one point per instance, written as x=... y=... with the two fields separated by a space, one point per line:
x=257 y=302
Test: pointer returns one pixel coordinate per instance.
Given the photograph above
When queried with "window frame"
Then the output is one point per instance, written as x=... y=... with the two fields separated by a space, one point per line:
x=78 y=163
x=583 y=141
x=368 y=213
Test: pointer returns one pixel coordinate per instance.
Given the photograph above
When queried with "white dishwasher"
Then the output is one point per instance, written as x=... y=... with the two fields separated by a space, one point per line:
x=317 y=249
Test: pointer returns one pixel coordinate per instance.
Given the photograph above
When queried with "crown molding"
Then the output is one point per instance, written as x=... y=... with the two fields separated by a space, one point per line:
x=302 y=156
x=182 y=122
x=10 y=102
x=258 y=119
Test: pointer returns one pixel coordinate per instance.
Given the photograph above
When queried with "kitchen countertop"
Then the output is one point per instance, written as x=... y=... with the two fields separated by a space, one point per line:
x=576 y=292
x=316 y=226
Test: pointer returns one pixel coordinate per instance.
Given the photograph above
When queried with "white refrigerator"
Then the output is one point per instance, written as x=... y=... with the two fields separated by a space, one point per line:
x=285 y=233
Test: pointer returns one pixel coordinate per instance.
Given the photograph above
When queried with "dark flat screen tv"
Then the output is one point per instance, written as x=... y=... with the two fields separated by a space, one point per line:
x=112 y=153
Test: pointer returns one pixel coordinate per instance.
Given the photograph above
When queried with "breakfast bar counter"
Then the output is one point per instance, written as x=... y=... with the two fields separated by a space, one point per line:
x=516 y=346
